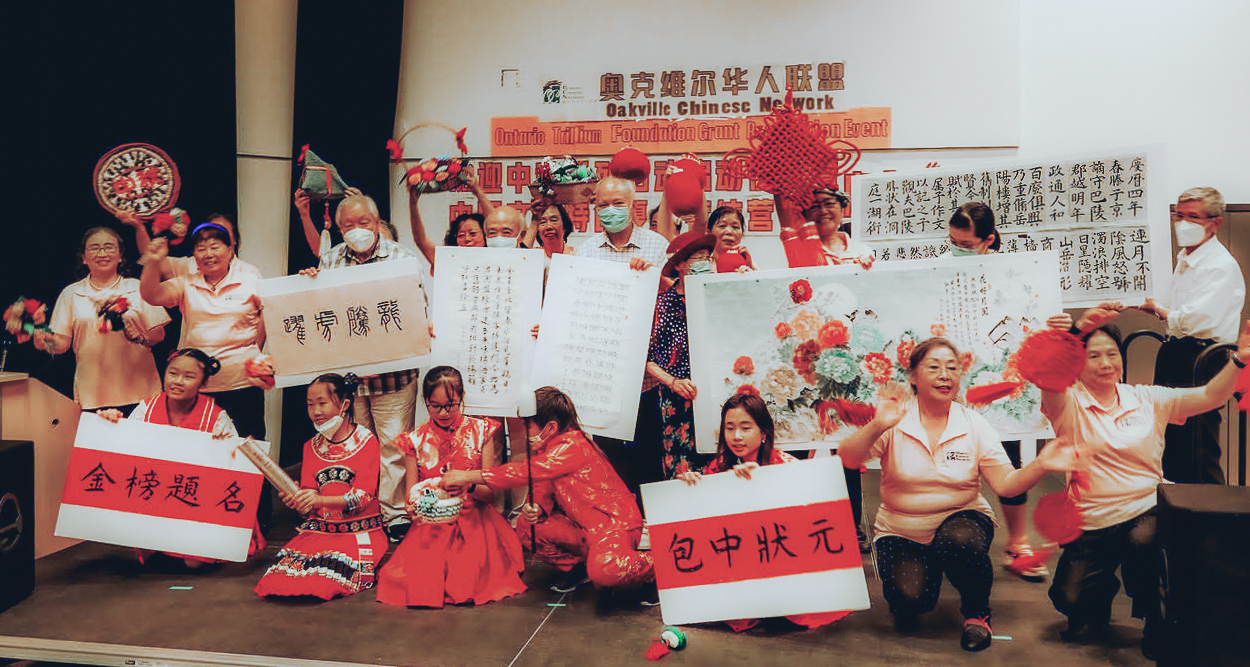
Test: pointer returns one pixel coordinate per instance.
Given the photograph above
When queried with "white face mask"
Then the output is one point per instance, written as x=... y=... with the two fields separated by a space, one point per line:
x=1189 y=234
x=359 y=239
x=501 y=242
x=329 y=426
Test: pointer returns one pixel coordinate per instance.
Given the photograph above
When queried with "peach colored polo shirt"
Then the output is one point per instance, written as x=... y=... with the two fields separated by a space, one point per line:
x=111 y=369
x=1122 y=449
x=922 y=485
x=181 y=267
x=224 y=322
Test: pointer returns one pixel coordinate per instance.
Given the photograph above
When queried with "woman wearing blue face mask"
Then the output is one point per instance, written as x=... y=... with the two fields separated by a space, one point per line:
x=668 y=359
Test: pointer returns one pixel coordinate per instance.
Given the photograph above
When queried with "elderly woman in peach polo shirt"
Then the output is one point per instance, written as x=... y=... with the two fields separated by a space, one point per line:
x=220 y=315
x=1118 y=433
x=933 y=520
x=114 y=369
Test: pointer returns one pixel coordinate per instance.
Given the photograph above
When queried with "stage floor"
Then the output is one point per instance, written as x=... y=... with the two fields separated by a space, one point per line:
x=94 y=604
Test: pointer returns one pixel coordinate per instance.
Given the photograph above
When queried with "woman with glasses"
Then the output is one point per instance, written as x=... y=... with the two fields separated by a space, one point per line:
x=110 y=328
x=467 y=230
x=826 y=212
x=476 y=557
x=933 y=521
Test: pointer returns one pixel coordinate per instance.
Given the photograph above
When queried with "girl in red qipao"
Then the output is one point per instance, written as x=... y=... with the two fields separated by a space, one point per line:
x=476 y=557
x=746 y=443
x=341 y=542
x=182 y=405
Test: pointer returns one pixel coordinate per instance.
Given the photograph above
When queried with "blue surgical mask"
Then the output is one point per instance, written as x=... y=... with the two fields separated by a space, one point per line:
x=501 y=242
x=956 y=251
x=700 y=267
x=614 y=218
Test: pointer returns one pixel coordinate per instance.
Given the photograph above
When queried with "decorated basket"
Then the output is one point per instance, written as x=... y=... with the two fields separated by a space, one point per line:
x=432 y=504
x=443 y=173
x=563 y=180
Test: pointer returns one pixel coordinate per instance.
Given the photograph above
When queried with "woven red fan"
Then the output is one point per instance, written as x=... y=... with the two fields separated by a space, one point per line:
x=988 y=393
x=790 y=155
x=136 y=177
x=1051 y=359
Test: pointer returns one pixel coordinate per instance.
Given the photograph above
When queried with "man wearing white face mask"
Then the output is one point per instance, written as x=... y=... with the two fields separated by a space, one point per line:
x=1202 y=308
x=386 y=403
x=621 y=241
x=503 y=228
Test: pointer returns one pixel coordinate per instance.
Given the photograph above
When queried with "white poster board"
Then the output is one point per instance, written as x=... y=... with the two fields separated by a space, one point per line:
x=366 y=319
x=782 y=542
x=486 y=303
x=592 y=344
x=164 y=488
x=1102 y=212
x=807 y=338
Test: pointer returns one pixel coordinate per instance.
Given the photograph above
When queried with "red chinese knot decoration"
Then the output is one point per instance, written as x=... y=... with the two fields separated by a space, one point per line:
x=136 y=177
x=791 y=156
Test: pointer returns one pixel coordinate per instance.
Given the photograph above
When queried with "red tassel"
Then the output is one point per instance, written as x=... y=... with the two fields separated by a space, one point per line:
x=1051 y=359
x=464 y=149
x=397 y=151
x=988 y=393
x=302 y=152
x=854 y=413
x=657 y=650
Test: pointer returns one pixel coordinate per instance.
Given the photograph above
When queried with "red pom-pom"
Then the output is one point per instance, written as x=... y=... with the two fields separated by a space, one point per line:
x=988 y=393
x=1057 y=518
x=630 y=163
x=657 y=650
x=1051 y=359
x=854 y=413
x=684 y=194
x=689 y=165
x=396 y=150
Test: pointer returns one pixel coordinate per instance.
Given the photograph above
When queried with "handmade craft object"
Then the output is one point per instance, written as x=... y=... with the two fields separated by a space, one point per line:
x=563 y=180
x=432 y=504
x=631 y=164
x=272 y=471
x=438 y=174
x=136 y=177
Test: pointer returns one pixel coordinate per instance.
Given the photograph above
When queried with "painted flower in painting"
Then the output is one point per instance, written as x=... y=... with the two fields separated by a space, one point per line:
x=805 y=357
x=878 y=366
x=866 y=338
x=837 y=365
x=781 y=385
x=903 y=352
x=782 y=330
x=938 y=329
x=748 y=389
x=801 y=291
x=744 y=366
x=833 y=334
x=806 y=325
x=966 y=359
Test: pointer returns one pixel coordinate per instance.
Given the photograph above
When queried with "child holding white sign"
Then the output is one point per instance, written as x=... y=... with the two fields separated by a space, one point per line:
x=746 y=443
x=341 y=542
x=181 y=404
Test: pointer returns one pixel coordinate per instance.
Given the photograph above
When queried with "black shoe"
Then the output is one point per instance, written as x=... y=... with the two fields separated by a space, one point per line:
x=648 y=595
x=906 y=623
x=568 y=582
x=865 y=544
x=396 y=531
x=977 y=635
x=1081 y=630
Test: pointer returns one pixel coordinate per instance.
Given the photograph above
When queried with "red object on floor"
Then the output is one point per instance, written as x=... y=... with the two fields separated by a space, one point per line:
x=657 y=650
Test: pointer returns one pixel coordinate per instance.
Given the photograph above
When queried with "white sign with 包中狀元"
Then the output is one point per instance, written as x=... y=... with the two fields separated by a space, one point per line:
x=592 y=345
x=366 y=319
x=1102 y=212
x=819 y=343
x=158 y=487
x=778 y=544
x=485 y=305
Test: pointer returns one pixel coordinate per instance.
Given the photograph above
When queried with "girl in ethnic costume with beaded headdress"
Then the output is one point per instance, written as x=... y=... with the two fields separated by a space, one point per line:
x=341 y=541
x=475 y=556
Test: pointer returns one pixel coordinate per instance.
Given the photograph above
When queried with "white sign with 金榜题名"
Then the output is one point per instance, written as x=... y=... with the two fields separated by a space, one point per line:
x=366 y=319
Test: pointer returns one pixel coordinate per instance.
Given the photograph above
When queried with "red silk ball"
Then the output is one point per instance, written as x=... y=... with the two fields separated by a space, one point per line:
x=631 y=164
x=684 y=193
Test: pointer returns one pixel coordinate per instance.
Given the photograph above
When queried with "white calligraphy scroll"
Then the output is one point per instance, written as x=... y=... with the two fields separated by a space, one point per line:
x=159 y=487
x=592 y=345
x=486 y=304
x=366 y=319
x=1102 y=212
x=780 y=543
x=814 y=339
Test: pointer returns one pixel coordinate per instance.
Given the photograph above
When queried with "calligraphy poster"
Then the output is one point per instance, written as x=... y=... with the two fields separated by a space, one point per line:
x=813 y=340
x=159 y=487
x=1102 y=212
x=366 y=319
x=780 y=543
x=592 y=345
x=486 y=302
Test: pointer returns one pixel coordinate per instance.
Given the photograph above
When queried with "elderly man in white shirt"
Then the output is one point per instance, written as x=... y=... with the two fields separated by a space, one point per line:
x=1203 y=308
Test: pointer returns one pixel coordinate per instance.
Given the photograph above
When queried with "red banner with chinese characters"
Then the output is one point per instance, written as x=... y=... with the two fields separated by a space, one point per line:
x=755 y=545
x=160 y=488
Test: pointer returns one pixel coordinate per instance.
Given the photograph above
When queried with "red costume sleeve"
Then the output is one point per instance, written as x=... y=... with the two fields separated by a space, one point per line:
x=562 y=457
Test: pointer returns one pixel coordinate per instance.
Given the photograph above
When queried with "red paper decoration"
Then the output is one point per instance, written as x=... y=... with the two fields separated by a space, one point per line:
x=1051 y=359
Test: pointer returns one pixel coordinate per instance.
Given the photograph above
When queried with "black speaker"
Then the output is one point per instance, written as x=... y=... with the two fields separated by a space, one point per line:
x=1205 y=532
x=17 y=521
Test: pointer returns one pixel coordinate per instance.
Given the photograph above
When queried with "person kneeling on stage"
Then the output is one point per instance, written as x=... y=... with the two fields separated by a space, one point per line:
x=592 y=525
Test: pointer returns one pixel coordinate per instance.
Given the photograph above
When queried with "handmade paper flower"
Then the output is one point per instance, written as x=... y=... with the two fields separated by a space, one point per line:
x=833 y=334
x=800 y=291
x=744 y=366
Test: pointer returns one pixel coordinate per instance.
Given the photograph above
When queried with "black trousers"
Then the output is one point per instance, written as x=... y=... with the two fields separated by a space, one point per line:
x=1191 y=452
x=1085 y=583
x=911 y=573
x=638 y=461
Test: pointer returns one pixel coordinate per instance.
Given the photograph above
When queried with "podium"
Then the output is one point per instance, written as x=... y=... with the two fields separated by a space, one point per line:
x=31 y=410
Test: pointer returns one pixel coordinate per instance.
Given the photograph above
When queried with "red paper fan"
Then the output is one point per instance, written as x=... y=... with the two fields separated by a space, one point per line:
x=988 y=393
x=854 y=413
x=1057 y=518
x=1051 y=359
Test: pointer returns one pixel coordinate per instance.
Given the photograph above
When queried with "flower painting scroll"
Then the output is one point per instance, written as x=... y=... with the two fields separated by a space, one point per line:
x=818 y=344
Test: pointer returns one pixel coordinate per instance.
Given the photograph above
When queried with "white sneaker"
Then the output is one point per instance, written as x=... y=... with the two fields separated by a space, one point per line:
x=644 y=542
